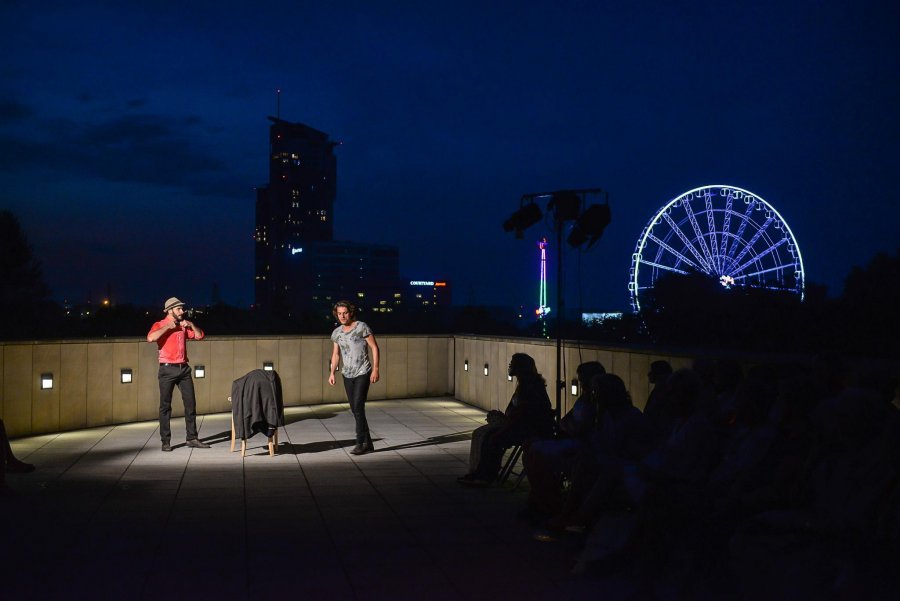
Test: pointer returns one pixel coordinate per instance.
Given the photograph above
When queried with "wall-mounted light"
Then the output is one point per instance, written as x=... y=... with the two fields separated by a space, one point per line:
x=200 y=371
x=466 y=365
x=126 y=375
x=508 y=378
x=485 y=369
x=46 y=381
x=268 y=366
x=574 y=387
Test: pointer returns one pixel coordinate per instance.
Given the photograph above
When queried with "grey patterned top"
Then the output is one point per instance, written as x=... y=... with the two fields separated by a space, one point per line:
x=354 y=349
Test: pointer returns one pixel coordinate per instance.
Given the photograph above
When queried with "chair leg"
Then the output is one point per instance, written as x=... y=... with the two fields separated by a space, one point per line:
x=507 y=469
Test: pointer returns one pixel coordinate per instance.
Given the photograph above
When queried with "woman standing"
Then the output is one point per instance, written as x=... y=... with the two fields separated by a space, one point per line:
x=352 y=341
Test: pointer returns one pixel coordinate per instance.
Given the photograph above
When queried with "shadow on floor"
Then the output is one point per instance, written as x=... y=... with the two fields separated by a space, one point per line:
x=431 y=441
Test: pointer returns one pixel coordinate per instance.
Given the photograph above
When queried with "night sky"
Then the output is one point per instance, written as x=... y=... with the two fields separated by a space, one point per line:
x=132 y=137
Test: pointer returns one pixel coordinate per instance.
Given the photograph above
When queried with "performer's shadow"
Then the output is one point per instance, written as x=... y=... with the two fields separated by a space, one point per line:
x=314 y=447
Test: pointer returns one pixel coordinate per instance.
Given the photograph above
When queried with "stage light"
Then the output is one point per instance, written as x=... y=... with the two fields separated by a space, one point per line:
x=574 y=387
x=125 y=375
x=485 y=369
x=590 y=225
x=523 y=219
x=508 y=378
x=46 y=381
x=466 y=365
x=200 y=371
x=565 y=204
x=268 y=366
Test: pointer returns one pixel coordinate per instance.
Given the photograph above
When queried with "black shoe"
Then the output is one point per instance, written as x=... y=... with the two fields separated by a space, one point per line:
x=196 y=444
x=357 y=450
x=166 y=447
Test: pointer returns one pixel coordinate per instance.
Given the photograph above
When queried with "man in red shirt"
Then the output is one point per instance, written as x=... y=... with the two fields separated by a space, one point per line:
x=171 y=335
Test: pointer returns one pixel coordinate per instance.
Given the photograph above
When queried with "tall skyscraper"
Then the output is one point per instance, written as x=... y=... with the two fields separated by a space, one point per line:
x=295 y=208
x=299 y=265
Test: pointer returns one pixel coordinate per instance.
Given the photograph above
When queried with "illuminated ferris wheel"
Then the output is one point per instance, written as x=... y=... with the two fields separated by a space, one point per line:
x=725 y=232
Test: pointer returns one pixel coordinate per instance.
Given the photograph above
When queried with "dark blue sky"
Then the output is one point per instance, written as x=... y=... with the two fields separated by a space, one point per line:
x=131 y=137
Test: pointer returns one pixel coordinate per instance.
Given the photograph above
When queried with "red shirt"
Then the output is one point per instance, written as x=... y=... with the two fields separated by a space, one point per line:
x=172 y=347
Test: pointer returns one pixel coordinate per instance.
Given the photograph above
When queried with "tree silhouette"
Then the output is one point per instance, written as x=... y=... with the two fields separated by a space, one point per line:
x=23 y=294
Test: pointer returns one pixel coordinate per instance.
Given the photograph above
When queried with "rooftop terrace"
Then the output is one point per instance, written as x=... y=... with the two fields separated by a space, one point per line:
x=108 y=515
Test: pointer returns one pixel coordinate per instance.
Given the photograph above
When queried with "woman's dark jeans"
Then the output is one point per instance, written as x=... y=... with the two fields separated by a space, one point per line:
x=357 y=389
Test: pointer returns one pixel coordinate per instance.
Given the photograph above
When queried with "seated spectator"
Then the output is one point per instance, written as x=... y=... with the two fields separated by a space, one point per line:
x=622 y=437
x=548 y=461
x=8 y=461
x=528 y=417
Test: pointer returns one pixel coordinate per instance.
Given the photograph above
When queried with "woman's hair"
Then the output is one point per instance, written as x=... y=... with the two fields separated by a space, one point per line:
x=610 y=392
x=351 y=308
x=522 y=366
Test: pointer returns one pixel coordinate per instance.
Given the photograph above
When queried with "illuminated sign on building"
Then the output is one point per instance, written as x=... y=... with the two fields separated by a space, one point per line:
x=294 y=251
x=427 y=283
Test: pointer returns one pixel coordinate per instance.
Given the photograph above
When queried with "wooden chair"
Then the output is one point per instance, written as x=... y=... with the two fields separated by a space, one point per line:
x=273 y=440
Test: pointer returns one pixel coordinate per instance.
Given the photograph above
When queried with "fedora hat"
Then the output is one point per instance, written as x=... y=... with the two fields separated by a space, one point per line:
x=172 y=303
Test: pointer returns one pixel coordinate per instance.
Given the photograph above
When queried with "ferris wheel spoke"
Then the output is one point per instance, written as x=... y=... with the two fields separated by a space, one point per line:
x=741 y=228
x=726 y=226
x=711 y=226
x=693 y=219
x=749 y=246
x=766 y=252
x=762 y=271
x=665 y=267
x=682 y=257
x=687 y=243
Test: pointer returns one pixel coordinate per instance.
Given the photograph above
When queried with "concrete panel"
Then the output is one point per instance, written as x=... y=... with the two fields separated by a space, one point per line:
x=245 y=359
x=18 y=386
x=148 y=381
x=417 y=367
x=639 y=387
x=99 y=384
x=220 y=373
x=313 y=370
x=201 y=353
x=621 y=365
x=73 y=386
x=289 y=370
x=124 y=398
x=440 y=363
x=397 y=351
x=45 y=403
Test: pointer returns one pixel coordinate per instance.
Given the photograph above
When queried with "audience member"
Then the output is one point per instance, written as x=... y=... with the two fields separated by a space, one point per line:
x=528 y=417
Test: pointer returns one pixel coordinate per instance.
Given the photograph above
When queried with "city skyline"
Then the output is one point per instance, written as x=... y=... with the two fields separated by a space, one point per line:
x=131 y=138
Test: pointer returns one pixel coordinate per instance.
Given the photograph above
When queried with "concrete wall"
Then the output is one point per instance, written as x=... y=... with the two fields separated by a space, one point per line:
x=494 y=390
x=87 y=390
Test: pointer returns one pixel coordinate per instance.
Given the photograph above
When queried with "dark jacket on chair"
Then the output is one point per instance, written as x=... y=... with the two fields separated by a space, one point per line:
x=256 y=403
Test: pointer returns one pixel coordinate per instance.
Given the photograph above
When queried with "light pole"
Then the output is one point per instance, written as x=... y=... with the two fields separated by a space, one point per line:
x=588 y=225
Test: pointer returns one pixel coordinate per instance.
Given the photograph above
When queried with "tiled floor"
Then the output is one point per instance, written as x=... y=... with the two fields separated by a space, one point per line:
x=108 y=515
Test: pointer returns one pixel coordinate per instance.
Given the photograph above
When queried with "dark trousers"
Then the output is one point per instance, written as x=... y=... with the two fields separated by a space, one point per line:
x=357 y=390
x=169 y=377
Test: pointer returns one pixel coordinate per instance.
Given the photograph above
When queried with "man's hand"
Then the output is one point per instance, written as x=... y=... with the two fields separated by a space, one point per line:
x=331 y=378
